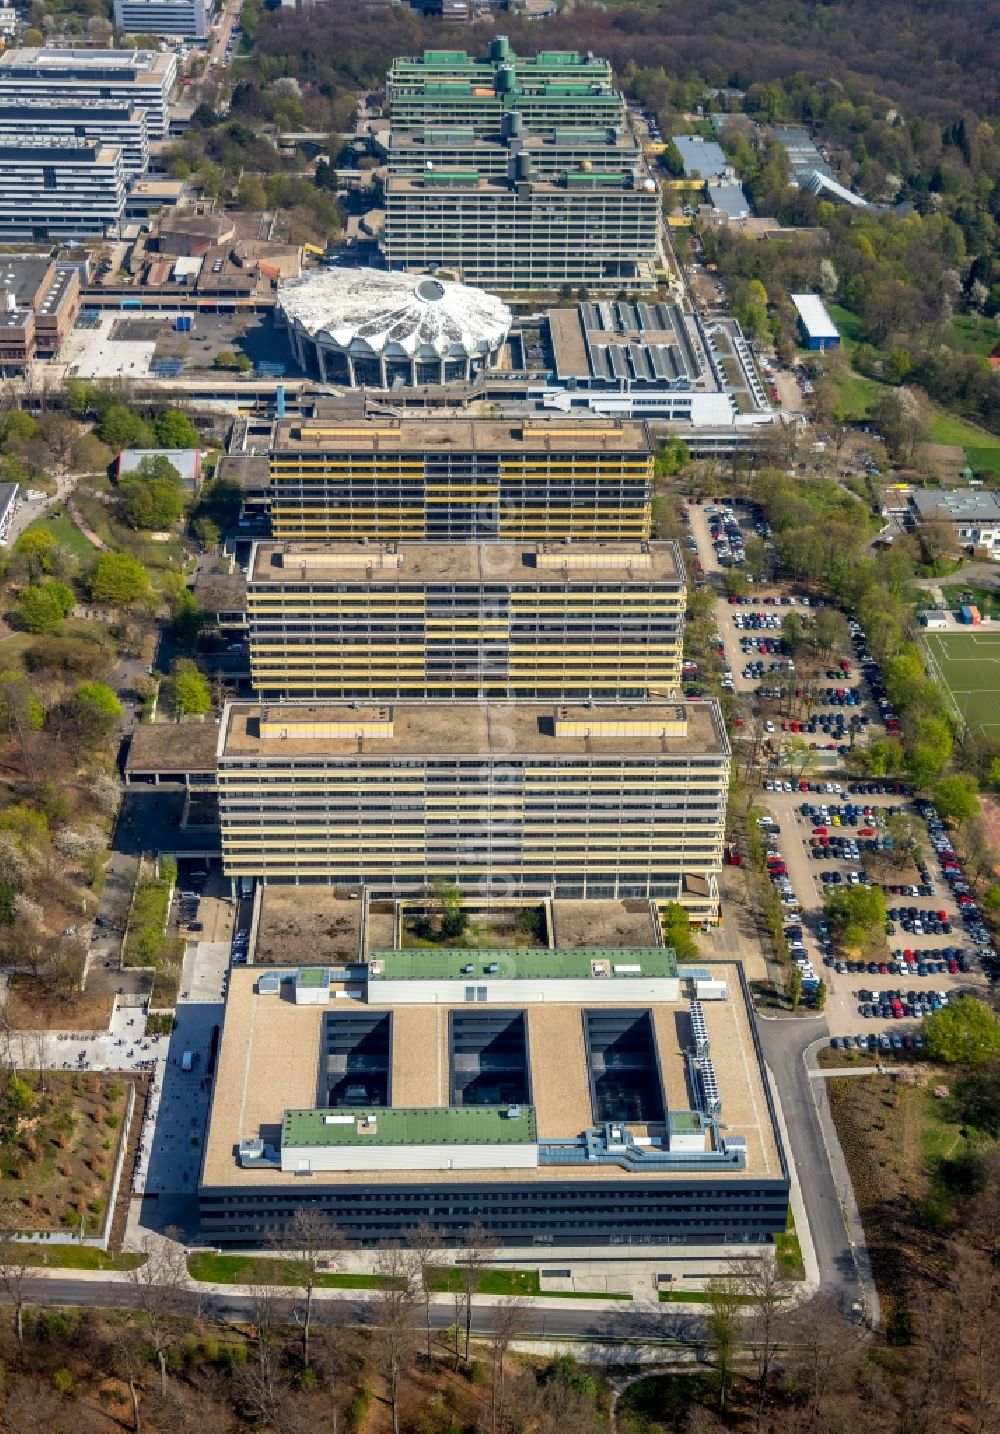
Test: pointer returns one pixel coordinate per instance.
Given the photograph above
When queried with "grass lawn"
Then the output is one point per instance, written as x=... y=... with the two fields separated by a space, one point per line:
x=983 y=460
x=969 y=663
x=248 y=1269
x=582 y=1295
x=851 y=330
x=856 y=395
x=72 y=1257
x=947 y=428
x=789 y=1255
x=974 y=334
x=58 y=522
x=683 y=1297
x=448 y=1278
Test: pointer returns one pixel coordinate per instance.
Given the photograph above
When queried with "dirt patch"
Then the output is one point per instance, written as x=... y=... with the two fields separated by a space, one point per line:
x=991 y=819
x=891 y=1129
x=59 y=1144
x=79 y=1011
x=947 y=460
x=881 y=867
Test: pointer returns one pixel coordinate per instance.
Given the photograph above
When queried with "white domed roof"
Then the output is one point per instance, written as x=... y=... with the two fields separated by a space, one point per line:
x=408 y=312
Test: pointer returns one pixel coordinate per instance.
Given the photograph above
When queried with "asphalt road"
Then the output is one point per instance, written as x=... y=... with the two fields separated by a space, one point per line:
x=641 y=1324
x=825 y=1190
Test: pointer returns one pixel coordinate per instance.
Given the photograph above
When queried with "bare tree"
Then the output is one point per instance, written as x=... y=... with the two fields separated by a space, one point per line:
x=312 y=1238
x=261 y=1383
x=477 y=1253
x=393 y=1310
x=505 y=1319
x=13 y=1278
x=764 y=1294
x=723 y=1329
x=158 y=1283
x=336 y=1355
x=129 y=1357
x=425 y=1243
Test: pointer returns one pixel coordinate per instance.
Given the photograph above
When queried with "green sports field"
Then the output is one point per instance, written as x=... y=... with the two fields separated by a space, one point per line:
x=968 y=663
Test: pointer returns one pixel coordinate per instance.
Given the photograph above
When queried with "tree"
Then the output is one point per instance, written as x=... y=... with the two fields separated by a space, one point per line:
x=393 y=1307
x=175 y=430
x=446 y=903
x=505 y=1319
x=312 y=1237
x=764 y=1294
x=425 y=1242
x=119 y=428
x=856 y=913
x=957 y=798
x=795 y=988
x=965 y=1032
x=89 y=716
x=187 y=690
x=158 y=1283
x=43 y=606
x=723 y=1324
x=677 y=931
x=898 y=416
x=36 y=550
x=152 y=497
x=14 y=1273
x=477 y=1253
x=819 y=996
x=90 y=455
x=119 y=579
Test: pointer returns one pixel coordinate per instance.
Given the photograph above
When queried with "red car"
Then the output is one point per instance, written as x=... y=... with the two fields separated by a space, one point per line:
x=866 y=831
x=819 y=831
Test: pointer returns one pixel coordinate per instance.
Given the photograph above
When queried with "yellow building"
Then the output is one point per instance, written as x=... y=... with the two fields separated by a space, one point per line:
x=450 y=479
x=587 y=801
x=382 y=621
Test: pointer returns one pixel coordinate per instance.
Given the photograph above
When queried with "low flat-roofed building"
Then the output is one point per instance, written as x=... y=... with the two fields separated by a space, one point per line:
x=444 y=478
x=187 y=462
x=703 y=158
x=817 y=328
x=8 y=506
x=498 y=1107
x=603 y=801
x=221 y=591
x=461 y=620
x=172 y=752
x=973 y=516
x=39 y=302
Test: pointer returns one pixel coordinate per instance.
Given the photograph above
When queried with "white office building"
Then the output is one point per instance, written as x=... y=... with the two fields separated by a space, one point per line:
x=144 y=78
x=163 y=17
x=71 y=190
x=110 y=122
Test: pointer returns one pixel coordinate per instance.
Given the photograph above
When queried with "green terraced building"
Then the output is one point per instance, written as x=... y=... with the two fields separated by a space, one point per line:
x=517 y=173
x=552 y=89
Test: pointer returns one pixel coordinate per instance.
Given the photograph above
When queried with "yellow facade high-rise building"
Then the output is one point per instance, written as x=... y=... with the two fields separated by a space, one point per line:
x=381 y=621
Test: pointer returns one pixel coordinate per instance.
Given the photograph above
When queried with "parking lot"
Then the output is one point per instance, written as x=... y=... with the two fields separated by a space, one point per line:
x=925 y=960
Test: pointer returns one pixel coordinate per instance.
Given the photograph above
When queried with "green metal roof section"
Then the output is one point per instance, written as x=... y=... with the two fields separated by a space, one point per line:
x=524 y=964
x=684 y=1120
x=410 y=1125
x=312 y=976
